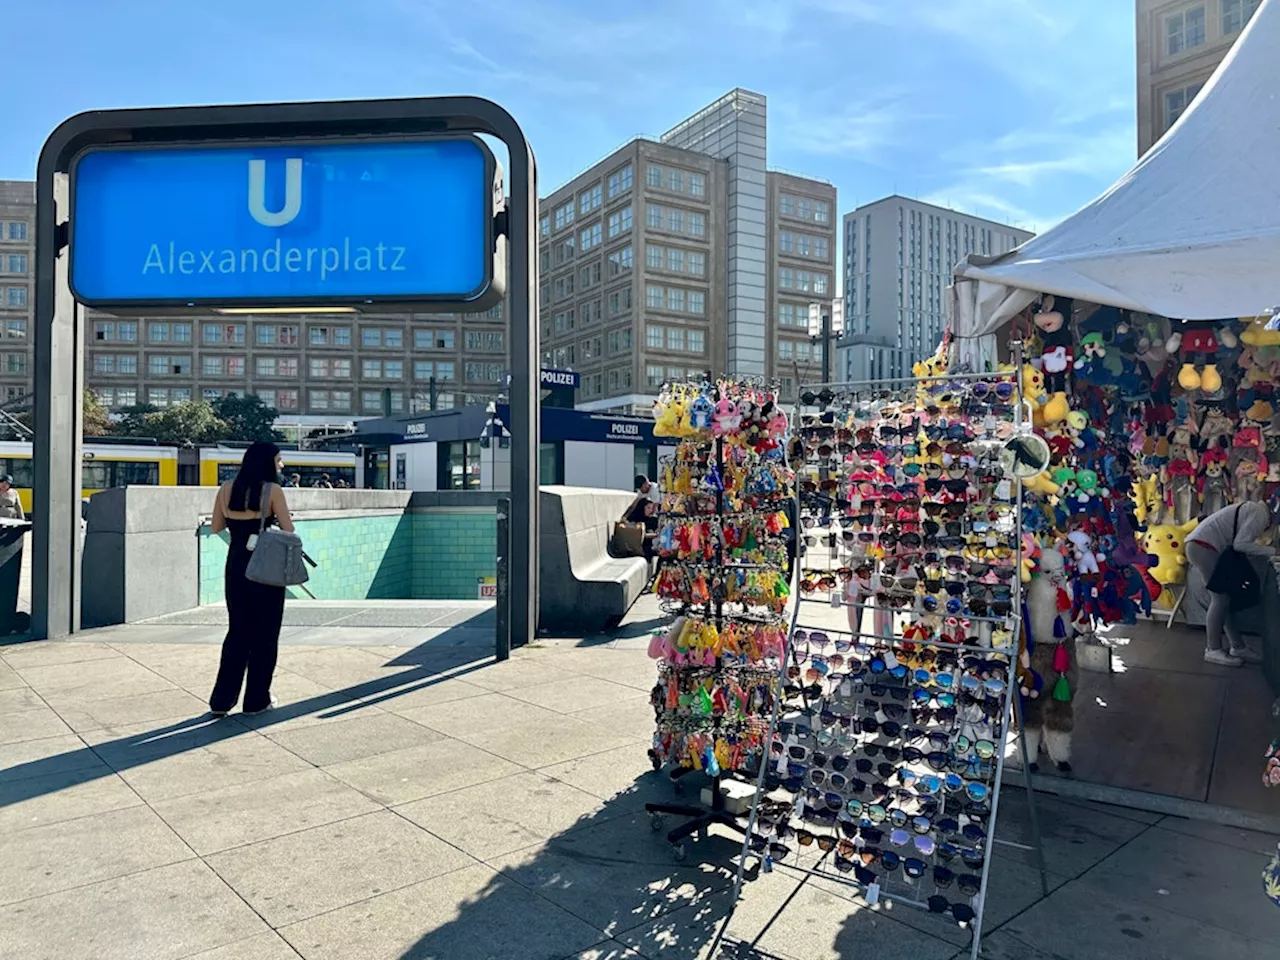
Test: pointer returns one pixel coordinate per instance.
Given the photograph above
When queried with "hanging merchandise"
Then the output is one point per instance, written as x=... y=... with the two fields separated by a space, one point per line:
x=1153 y=425
x=722 y=537
x=884 y=762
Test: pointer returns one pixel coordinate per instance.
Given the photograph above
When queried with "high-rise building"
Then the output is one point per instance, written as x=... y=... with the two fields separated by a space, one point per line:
x=1180 y=43
x=17 y=261
x=678 y=257
x=898 y=260
x=316 y=370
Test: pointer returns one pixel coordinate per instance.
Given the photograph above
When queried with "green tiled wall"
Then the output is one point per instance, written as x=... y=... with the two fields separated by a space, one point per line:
x=451 y=553
x=411 y=556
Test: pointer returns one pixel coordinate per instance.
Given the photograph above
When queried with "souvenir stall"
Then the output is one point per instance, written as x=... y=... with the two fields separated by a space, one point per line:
x=724 y=581
x=1154 y=423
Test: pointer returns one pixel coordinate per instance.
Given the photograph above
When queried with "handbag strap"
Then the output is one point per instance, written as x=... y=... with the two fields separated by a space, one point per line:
x=264 y=498
x=1235 y=525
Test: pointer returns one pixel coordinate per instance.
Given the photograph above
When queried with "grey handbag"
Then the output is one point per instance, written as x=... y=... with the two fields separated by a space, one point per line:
x=277 y=558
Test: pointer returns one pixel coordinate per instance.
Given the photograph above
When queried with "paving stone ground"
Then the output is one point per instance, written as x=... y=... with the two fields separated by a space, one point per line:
x=411 y=798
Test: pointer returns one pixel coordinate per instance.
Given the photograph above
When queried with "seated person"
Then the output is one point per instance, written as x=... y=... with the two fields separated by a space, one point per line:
x=644 y=509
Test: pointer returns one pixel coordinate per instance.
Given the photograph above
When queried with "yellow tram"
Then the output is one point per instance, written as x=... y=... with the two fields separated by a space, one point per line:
x=105 y=465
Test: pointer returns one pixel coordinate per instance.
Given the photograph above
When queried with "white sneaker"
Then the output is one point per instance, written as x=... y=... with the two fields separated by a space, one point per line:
x=1222 y=658
x=1247 y=655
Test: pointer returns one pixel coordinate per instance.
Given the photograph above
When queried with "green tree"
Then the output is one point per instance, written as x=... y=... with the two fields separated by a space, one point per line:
x=193 y=421
x=97 y=422
x=247 y=418
x=132 y=421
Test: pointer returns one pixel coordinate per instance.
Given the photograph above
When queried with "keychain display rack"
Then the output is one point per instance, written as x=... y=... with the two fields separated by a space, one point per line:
x=900 y=678
x=722 y=540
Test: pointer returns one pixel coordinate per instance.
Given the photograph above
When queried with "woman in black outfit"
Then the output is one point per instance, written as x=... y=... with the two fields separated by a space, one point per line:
x=253 y=609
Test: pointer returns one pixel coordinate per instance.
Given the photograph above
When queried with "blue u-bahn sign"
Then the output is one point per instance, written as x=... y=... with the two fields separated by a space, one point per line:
x=298 y=223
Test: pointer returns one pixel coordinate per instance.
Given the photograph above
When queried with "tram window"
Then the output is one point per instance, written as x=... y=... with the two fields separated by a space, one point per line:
x=19 y=469
x=104 y=474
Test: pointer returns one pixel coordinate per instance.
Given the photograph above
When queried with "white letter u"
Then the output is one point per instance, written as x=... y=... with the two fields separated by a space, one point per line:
x=292 y=192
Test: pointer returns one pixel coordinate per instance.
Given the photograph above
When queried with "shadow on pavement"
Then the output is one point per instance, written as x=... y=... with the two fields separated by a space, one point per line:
x=24 y=781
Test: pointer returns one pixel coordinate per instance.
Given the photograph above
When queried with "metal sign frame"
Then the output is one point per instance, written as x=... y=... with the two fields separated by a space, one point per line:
x=488 y=294
x=59 y=320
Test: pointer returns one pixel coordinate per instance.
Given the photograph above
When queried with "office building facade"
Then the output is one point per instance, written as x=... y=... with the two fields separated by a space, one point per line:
x=1179 y=45
x=898 y=260
x=676 y=258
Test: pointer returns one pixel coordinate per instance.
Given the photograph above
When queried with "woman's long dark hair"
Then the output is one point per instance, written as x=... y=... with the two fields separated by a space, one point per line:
x=257 y=467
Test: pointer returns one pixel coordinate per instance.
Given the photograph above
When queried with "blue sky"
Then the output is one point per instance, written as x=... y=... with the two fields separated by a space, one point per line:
x=1020 y=110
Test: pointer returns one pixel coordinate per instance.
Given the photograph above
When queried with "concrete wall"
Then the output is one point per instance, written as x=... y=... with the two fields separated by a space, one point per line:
x=142 y=545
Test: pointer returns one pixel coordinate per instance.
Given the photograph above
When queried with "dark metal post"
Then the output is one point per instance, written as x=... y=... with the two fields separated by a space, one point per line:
x=55 y=569
x=525 y=426
x=431 y=395
x=502 y=604
x=826 y=344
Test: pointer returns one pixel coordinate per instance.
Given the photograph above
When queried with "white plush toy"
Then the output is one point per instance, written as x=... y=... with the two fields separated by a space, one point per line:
x=1082 y=545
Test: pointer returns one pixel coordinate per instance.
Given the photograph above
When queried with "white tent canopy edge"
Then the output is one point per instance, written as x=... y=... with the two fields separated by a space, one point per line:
x=1191 y=232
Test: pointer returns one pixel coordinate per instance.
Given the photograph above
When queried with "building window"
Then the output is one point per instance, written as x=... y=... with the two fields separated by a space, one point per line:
x=17 y=263
x=590 y=237
x=675 y=260
x=342 y=336
x=697 y=341
x=821 y=248
x=697 y=302
x=619 y=262
x=211 y=366
x=697 y=185
x=787 y=205
x=1177 y=101
x=433 y=339
x=590 y=200
x=1236 y=13
x=821 y=211
x=15 y=329
x=319 y=336
x=17 y=230
x=544 y=226
x=476 y=372
x=370 y=337
x=619 y=222
x=564 y=215
x=653 y=216
x=393 y=369
x=653 y=176
x=288 y=366
x=620 y=182
x=342 y=369
x=675 y=338
x=1184 y=31
x=164 y=365
x=15 y=297
x=654 y=375
x=675 y=220
x=485 y=340
x=264 y=336
x=675 y=181
x=286 y=400
x=371 y=369
x=675 y=299
x=653 y=297
x=619 y=341
x=697 y=263
x=653 y=257
x=266 y=366
x=786 y=241
x=318 y=368
x=653 y=337
x=235 y=366
x=697 y=224
x=393 y=338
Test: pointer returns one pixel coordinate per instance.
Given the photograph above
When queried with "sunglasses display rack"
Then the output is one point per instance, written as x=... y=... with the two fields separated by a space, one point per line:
x=722 y=541
x=887 y=747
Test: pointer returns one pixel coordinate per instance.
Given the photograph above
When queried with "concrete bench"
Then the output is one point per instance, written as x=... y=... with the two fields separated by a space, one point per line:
x=583 y=588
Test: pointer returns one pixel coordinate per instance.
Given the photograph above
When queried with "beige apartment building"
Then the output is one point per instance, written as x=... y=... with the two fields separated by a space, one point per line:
x=1180 y=44
x=665 y=262
x=315 y=370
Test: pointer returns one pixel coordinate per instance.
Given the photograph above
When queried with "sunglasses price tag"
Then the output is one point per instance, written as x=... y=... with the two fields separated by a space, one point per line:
x=873 y=894
x=835 y=600
x=890 y=661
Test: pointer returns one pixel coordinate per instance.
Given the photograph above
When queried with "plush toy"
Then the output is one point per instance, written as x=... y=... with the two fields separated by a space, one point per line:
x=667 y=414
x=1052 y=320
x=1168 y=543
x=1028 y=556
x=1051 y=649
x=1086 y=559
x=727 y=419
x=934 y=366
x=1033 y=387
x=1148 y=504
x=1056 y=408
x=1041 y=484
x=1199 y=346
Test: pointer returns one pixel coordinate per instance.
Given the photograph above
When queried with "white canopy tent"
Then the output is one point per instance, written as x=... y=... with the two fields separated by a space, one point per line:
x=1192 y=232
